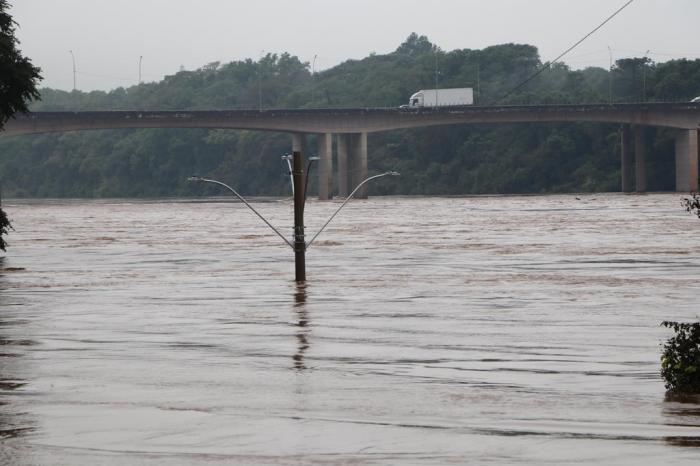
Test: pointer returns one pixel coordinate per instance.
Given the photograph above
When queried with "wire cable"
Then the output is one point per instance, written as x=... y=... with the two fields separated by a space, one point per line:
x=550 y=63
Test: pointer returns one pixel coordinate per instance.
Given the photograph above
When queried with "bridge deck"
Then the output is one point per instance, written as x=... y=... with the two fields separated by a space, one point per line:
x=356 y=120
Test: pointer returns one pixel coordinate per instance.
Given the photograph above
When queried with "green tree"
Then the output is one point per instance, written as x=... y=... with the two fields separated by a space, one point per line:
x=18 y=80
x=680 y=360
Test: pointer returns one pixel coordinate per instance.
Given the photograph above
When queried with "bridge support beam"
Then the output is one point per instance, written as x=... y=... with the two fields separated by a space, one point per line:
x=640 y=155
x=359 y=163
x=626 y=159
x=352 y=163
x=687 y=160
x=325 y=166
x=343 y=175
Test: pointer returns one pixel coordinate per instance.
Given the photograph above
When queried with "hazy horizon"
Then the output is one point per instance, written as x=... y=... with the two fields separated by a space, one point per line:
x=107 y=38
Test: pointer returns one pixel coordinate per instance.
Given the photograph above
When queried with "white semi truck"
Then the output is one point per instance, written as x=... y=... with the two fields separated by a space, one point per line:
x=441 y=97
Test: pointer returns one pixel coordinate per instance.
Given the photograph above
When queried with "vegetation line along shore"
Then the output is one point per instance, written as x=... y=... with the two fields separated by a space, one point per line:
x=466 y=159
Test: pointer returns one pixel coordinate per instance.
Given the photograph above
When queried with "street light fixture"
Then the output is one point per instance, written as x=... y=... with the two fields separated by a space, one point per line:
x=288 y=158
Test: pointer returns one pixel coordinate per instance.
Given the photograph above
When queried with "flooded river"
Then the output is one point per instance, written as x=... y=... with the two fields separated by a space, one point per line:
x=481 y=330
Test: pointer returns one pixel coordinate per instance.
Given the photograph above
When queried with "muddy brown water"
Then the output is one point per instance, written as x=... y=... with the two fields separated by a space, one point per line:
x=479 y=330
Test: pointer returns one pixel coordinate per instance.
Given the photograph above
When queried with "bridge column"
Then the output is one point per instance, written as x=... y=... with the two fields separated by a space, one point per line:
x=343 y=151
x=325 y=166
x=640 y=154
x=359 y=163
x=687 y=160
x=626 y=160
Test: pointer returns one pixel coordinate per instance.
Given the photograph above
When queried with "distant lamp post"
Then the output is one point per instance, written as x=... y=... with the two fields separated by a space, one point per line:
x=610 y=70
x=260 y=80
x=73 y=58
x=644 y=76
x=313 y=80
x=140 y=60
x=436 y=76
x=478 y=78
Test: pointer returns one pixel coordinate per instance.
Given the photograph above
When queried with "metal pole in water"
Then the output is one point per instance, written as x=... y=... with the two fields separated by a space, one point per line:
x=299 y=243
x=299 y=246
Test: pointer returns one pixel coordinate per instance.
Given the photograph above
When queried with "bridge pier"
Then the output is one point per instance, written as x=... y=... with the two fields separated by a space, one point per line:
x=325 y=166
x=687 y=160
x=358 y=163
x=640 y=155
x=626 y=159
x=352 y=163
x=325 y=154
x=352 y=147
x=343 y=151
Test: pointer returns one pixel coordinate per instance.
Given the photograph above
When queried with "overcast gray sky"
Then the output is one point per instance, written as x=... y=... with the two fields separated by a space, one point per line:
x=108 y=36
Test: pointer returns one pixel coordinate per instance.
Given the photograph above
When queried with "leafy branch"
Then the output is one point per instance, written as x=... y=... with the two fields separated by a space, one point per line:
x=680 y=361
x=5 y=226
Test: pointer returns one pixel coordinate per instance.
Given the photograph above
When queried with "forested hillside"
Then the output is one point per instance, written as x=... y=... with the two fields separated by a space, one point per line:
x=523 y=158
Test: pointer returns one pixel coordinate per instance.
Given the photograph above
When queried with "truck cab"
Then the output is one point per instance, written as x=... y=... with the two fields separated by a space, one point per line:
x=416 y=100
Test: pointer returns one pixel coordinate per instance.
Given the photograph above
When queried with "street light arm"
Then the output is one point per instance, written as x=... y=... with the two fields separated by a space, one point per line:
x=347 y=199
x=206 y=180
x=288 y=158
x=306 y=181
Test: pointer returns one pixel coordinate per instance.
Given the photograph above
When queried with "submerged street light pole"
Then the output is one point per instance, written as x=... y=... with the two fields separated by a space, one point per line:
x=299 y=194
x=299 y=245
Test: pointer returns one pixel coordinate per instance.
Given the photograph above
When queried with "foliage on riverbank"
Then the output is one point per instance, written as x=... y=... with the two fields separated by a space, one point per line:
x=465 y=159
x=18 y=86
x=680 y=361
x=692 y=204
x=5 y=227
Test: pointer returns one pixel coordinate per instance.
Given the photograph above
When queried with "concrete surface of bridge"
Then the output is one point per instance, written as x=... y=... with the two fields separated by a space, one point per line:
x=352 y=125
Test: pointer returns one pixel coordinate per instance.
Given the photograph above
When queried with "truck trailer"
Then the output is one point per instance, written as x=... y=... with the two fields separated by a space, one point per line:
x=441 y=97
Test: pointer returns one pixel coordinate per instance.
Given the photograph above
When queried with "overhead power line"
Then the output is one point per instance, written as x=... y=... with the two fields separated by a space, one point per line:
x=550 y=63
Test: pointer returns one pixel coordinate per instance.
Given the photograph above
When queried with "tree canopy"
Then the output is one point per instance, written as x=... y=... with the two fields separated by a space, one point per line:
x=18 y=81
x=18 y=77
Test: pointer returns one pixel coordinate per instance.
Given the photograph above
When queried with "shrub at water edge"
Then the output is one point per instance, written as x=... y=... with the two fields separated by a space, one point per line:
x=680 y=361
x=692 y=204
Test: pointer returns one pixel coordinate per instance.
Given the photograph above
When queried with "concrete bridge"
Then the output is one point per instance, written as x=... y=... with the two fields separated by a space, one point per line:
x=352 y=125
